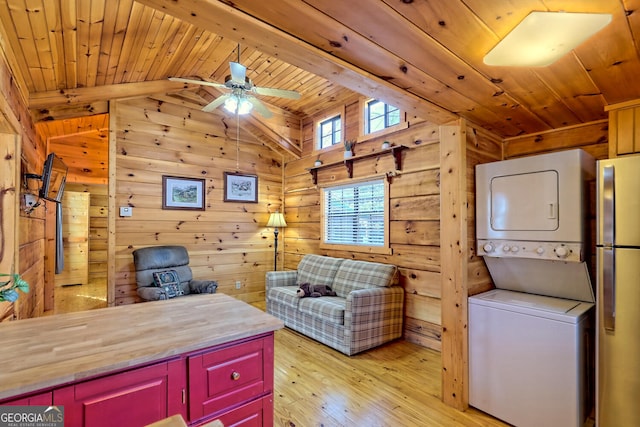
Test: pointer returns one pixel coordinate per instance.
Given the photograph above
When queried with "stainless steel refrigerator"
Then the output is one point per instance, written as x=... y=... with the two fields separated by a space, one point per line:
x=618 y=297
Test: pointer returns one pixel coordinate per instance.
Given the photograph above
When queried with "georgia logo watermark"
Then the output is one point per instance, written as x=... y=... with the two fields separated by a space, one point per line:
x=31 y=416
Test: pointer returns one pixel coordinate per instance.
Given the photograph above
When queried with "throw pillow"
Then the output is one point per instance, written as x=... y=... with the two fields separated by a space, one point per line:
x=169 y=281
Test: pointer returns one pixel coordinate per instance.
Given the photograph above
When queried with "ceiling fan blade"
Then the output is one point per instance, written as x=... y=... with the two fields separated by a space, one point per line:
x=238 y=73
x=216 y=103
x=259 y=107
x=197 y=82
x=281 y=93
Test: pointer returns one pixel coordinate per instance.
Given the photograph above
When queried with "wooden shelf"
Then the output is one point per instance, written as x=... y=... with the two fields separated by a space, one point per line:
x=395 y=150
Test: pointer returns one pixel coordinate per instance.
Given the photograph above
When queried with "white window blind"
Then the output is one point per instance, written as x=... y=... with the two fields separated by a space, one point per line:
x=354 y=214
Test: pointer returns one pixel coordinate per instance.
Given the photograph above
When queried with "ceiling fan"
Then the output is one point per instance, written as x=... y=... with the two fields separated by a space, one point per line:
x=241 y=98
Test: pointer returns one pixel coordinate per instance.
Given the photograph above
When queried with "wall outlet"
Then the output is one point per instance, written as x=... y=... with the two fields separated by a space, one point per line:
x=238 y=284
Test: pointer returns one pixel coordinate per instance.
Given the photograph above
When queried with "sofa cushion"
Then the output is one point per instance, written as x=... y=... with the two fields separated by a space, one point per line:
x=286 y=295
x=329 y=309
x=353 y=275
x=318 y=270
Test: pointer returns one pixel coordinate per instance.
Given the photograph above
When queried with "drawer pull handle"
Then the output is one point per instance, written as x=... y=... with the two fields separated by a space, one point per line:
x=235 y=376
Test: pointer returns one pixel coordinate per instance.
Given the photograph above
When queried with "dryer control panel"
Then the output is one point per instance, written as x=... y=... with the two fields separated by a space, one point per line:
x=555 y=251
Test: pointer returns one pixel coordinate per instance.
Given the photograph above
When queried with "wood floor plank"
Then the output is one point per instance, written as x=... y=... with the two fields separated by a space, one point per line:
x=397 y=384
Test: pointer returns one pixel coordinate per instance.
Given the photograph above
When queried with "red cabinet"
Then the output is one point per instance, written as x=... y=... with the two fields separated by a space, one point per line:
x=133 y=398
x=232 y=382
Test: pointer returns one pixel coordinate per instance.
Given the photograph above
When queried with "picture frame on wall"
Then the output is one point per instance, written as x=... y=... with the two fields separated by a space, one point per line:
x=183 y=193
x=240 y=187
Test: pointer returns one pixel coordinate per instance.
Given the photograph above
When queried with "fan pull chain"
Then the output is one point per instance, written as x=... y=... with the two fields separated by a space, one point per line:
x=237 y=142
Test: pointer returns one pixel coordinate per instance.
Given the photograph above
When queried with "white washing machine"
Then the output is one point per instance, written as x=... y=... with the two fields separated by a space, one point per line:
x=528 y=358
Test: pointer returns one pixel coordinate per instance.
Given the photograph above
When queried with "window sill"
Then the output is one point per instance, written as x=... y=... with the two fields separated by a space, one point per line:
x=383 y=132
x=358 y=248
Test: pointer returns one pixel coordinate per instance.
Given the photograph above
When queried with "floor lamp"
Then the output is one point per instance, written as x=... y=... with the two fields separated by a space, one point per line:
x=276 y=220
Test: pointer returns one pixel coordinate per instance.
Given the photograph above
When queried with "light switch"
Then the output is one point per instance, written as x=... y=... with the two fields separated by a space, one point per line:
x=126 y=211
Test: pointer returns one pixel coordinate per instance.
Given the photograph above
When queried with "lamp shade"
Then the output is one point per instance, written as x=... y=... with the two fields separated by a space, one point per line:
x=544 y=37
x=238 y=103
x=276 y=220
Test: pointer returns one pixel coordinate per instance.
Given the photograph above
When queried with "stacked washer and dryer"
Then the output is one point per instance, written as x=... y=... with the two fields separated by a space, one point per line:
x=531 y=338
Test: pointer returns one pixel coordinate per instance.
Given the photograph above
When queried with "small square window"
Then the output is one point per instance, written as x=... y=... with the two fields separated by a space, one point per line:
x=379 y=116
x=330 y=132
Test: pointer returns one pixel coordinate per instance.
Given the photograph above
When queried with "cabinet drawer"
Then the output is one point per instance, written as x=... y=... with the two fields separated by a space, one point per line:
x=222 y=378
x=257 y=413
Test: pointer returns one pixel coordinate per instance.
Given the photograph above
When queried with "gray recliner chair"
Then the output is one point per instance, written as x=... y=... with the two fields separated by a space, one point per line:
x=163 y=272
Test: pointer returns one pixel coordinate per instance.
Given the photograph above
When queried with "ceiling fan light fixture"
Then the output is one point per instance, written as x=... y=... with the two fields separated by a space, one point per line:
x=238 y=103
x=544 y=37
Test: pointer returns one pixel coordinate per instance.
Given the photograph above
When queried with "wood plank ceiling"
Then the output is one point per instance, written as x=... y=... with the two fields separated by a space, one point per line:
x=422 y=55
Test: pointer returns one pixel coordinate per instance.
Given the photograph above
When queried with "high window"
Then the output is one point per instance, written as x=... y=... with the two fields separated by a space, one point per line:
x=355 y=214
x=379 y=116
x=330 y=131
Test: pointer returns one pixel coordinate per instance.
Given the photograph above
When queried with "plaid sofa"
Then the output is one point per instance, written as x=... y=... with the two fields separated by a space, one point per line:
x=367 y=311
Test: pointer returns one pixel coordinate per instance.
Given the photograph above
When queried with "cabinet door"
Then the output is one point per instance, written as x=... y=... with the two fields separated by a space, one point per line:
x=222 y=378
x=35 y=400
x=133 y=398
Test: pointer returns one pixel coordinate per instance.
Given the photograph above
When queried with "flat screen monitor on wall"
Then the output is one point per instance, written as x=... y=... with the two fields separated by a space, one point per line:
x=54 y=176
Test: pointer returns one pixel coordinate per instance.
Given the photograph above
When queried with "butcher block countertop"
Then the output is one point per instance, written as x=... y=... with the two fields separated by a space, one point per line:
x=44 y=352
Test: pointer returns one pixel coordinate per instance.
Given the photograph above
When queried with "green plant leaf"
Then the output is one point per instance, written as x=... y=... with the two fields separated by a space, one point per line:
x=9 y=292
x=21 y=284
x=9 y=295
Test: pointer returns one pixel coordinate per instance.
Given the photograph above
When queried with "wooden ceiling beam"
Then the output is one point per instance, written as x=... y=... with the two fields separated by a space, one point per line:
x=69 y=111
x=224 y=20
x=87 y=95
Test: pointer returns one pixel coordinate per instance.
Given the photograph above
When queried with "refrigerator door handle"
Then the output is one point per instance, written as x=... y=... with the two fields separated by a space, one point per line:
x=608 y=206
x=608 y=240
x=609 y=289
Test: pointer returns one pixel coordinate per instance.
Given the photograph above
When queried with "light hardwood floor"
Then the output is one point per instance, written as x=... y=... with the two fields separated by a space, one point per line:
x=397 y=384
x=68 y=299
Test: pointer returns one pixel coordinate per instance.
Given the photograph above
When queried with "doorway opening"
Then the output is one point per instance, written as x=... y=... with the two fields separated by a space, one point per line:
x=83 y=145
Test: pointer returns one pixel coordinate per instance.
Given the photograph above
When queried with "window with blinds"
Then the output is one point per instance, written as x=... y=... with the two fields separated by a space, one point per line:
x=354 y=214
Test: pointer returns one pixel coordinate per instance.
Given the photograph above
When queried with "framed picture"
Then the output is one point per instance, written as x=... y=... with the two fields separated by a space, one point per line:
x=182 y=193
x=240 y=188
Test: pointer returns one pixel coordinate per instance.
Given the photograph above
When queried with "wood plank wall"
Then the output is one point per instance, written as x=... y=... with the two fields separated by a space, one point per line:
x=414 y=214
x=482 y=147
x=227 y=242
x=28 y=158
x=592 y=137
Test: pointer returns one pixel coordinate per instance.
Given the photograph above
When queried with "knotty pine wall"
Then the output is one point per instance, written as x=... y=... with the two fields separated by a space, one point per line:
x=415 y=223
x=21 y=152
x=414 y=214
x=482 y=147
x=227 y=242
